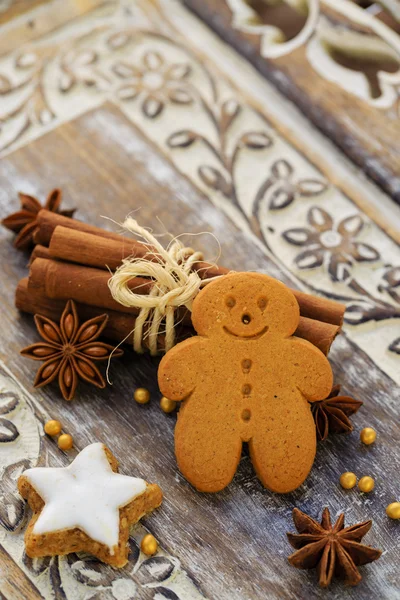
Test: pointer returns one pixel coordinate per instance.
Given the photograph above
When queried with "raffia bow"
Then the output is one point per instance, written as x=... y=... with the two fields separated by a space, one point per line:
x=176 y=284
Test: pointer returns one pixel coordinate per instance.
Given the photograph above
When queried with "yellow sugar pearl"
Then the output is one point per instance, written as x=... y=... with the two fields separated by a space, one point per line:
x=366 y=484
x=167 y=405
x=368 y=436
x=393 y=510
x=141 y=395
x=52 y=428
x=65 y=441
x=149 y=545
x=348 y=480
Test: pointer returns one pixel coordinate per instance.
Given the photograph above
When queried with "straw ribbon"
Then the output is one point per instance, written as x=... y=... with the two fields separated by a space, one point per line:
x=176 y=284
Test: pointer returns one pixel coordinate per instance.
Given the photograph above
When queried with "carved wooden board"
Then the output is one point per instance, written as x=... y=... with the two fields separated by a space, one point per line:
x=201 y=153
x=340 y=63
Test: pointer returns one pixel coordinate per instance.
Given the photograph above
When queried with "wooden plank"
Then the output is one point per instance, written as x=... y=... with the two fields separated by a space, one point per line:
x=232 y=543
x=18 y=7
x=324 y=85
x=14 y=585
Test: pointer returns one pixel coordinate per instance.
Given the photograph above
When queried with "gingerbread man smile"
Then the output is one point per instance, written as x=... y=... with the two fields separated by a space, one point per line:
x=248 y=336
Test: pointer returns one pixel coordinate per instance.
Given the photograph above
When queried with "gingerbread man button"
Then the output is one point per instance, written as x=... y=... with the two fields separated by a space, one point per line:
x=245 y=378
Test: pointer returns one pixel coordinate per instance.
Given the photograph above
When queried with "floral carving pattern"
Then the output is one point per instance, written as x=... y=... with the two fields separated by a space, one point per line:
x=391 y=283
x=31 y=106
x=17 y=432
x=81 y=67
x=155 y=81
x=8 y=431
x=280 y=188
x=12 y=508
x=334 y=245
x=142 y=579
x=221 y=178
x=336 y=248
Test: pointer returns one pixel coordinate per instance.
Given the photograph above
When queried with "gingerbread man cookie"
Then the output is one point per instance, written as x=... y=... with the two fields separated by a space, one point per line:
x=86 y=506
x=245 y=378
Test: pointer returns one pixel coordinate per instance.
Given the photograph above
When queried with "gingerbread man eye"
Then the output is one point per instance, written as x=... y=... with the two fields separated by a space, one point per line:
x=262 y=303
x=230 y=301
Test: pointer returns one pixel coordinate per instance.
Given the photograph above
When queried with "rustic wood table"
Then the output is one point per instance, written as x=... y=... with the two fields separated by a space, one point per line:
x=137 y=105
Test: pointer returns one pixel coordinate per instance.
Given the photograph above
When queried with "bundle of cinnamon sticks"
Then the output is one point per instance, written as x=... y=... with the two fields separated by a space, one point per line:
x=72 y=260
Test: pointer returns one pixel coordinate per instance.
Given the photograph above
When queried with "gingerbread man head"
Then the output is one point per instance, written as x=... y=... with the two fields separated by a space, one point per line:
x=245 y=307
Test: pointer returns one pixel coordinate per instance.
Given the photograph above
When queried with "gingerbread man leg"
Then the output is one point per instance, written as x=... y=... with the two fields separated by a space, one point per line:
x=283 y=445
x=207 y=445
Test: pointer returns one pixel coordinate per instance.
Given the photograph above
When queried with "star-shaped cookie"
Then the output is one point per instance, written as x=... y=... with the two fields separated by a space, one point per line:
x=86 y=506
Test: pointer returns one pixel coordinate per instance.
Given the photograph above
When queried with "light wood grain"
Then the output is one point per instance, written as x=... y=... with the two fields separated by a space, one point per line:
x=14 y=584
x=232 y=543
x=18 y=7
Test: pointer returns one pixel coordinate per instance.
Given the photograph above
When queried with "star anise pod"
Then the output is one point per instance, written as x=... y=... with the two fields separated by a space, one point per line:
x=332 y=415
x=69 y=351
x=333 y=550
x=23 y=222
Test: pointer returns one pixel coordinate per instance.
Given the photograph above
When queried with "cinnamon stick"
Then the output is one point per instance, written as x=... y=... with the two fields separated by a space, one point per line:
x=119 y=325
x=39 y=252
x=58 y=280
x=318 y=333
x=62 y=281
x=47 y=221
x=90 y=249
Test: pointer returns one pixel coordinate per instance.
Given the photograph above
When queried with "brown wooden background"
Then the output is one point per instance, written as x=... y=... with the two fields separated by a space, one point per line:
x=233 y=544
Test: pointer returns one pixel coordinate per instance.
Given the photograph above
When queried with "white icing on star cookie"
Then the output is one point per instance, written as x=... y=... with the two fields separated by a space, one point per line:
x=86 y=494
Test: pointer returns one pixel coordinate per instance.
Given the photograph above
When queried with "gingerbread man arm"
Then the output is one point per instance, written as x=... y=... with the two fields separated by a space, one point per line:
x=313 y=373
x=179 y=369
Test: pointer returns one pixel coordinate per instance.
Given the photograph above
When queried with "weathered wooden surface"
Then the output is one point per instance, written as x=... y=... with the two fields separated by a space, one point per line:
x=228 y=143
x=13 y=583
x=232 y=543
x=122 y=157
x=344 y=75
